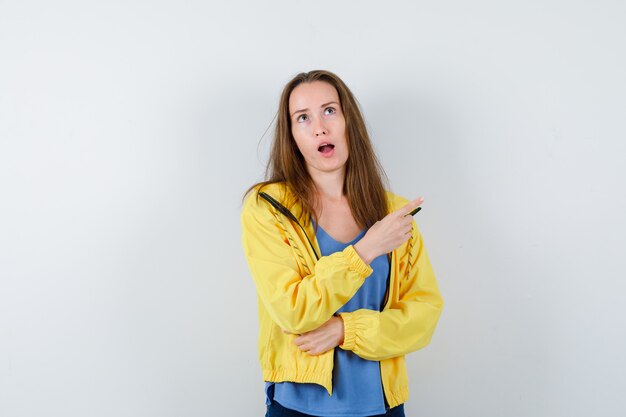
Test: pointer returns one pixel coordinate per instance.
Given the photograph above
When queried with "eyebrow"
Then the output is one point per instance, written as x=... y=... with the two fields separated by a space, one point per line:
x=323 y=105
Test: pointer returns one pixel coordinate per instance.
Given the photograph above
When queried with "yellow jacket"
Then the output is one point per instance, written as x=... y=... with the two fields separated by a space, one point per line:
x=299 y=293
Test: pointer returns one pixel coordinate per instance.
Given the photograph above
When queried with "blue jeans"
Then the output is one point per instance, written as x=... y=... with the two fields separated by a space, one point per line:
x=277 y=410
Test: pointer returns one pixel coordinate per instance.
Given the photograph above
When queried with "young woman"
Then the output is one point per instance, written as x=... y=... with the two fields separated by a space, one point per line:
x=345 y=287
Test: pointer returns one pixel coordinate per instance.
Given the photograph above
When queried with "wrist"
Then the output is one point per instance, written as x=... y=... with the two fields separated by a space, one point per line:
x=340 y=330
x=364 y=252
x=349 y=335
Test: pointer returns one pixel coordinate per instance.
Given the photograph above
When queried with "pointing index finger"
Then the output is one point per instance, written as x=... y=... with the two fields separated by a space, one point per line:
x=412 y=207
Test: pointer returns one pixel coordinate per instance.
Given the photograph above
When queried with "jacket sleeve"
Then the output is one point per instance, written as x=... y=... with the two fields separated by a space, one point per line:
x=294 y=302
x=409 y=322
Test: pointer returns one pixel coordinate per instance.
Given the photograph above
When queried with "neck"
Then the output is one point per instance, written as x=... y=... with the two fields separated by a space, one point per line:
x=329 y=185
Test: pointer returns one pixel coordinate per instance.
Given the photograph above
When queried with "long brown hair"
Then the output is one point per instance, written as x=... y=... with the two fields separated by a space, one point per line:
x=365 y=179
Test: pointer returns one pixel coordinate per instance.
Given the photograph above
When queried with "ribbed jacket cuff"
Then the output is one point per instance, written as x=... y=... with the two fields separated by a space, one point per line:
x=349 y=331
x=356 y=263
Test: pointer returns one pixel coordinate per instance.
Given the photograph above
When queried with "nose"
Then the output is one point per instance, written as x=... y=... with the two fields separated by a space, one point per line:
x=319 y=129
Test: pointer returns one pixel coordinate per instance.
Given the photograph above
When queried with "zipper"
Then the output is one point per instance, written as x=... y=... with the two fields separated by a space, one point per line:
x=382 y=307
x=388 y=283
x=290 y=216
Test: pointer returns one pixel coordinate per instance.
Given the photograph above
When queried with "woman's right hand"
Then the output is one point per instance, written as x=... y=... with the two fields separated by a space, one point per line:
x=387 y=234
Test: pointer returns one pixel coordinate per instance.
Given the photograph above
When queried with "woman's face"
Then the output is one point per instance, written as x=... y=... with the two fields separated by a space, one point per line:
x=318 y=126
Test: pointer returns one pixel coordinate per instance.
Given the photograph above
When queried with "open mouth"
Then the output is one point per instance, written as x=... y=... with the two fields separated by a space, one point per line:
x=326 y=147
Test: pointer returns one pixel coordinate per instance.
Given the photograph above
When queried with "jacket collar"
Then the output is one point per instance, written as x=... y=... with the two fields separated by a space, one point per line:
x=283 y=195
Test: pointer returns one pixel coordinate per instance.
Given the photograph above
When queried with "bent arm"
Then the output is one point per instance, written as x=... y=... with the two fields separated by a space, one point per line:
x=296 y=303
x=409 y=323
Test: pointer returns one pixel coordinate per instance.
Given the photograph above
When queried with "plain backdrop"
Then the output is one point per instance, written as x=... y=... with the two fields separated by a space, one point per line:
x=129 y=131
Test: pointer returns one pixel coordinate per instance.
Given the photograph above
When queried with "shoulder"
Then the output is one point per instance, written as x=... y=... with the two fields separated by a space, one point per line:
x=395 y=201
x=254 y=203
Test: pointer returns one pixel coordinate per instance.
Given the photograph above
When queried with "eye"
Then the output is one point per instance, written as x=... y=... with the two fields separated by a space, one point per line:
x=330 y=110
x=302 y=118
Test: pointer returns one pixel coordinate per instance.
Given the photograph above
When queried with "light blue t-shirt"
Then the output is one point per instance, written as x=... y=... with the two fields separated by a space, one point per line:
x=357 y=387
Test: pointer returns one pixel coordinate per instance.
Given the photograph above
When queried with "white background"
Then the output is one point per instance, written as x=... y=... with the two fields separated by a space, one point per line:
x=130 y=129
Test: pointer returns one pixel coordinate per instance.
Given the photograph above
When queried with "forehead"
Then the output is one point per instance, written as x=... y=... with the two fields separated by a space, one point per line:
x=312 y=95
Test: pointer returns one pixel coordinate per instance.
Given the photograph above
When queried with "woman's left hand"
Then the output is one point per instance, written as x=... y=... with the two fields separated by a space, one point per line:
x=326 y=337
